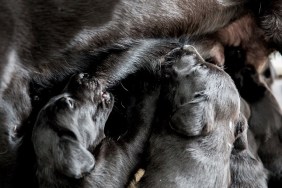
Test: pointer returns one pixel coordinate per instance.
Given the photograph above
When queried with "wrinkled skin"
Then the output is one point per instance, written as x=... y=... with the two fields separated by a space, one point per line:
x=195 y=128
x=69 y=128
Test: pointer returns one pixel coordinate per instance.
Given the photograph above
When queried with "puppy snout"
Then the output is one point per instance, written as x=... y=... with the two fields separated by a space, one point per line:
x=106 y=96
x=83 y=75
x=241 y=125
x=70 y=102
x=66 y=101
x=85 y=80
x=78 y=80
x=107 y=99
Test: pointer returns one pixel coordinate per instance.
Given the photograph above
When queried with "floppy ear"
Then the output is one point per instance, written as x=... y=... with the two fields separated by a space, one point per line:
x=193 y=119
x=72 y=159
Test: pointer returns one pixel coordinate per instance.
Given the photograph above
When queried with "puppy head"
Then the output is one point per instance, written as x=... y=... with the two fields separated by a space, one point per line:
x=70 y=125
x=201 y=94
x=246 y=77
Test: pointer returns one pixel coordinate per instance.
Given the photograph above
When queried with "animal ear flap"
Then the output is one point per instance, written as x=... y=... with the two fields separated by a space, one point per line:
x=193 y=120
x=73 y=160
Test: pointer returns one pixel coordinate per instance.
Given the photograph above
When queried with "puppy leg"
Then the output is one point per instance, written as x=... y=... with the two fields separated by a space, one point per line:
x=246 y=169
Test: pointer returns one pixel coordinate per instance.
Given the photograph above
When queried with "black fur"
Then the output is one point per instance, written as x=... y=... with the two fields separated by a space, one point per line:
x=265 y=119
x=75 y=153
x=269 y=17
x=110 y=64
x=266 y=124
x=195 y=127
x=68 y=129
x=44 y=42
x=246 y=167
x=18 y=119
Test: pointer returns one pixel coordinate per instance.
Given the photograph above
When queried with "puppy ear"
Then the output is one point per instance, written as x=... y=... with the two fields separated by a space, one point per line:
x=193 y=119
x=73 y=160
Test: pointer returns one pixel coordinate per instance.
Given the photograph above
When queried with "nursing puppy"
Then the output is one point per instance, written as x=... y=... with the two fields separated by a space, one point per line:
x=68 y=129
x=265 y=121
x=195 y=127
x=35 y=48
x=265 y=124
x=111 y=64
x=69 y=142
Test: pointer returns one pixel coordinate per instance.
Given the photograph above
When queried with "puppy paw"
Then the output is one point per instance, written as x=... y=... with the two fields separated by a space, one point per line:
x=240 y=133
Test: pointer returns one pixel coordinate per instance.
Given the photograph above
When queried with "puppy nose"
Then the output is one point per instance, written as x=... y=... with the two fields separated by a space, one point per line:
x=82 y=76
x=66 y=101
x=70 y=102
x=106 y=96
x=77 y=79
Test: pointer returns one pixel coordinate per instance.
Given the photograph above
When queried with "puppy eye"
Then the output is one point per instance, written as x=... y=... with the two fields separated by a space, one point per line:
x=199 y=97
x=204 y=66
x=62 y=132
x=199 y=94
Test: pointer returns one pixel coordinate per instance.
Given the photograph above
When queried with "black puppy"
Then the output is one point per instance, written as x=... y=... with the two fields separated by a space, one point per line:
x=195 y=130
x=265 y=119
x=68 y=129
x=68 y=136
x=111 y=64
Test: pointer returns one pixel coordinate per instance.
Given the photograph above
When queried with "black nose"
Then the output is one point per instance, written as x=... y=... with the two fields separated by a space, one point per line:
x=65 y=102
x=106 y=97
x=81 y=76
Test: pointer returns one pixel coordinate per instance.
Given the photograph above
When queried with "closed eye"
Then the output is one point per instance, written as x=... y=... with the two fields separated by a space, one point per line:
x=66 y=133
x=63 y=132
x=199 y=97
x=199 y=94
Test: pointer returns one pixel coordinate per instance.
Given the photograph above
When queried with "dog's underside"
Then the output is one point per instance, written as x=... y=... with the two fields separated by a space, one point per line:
x=38 y=55
x=111 y=65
